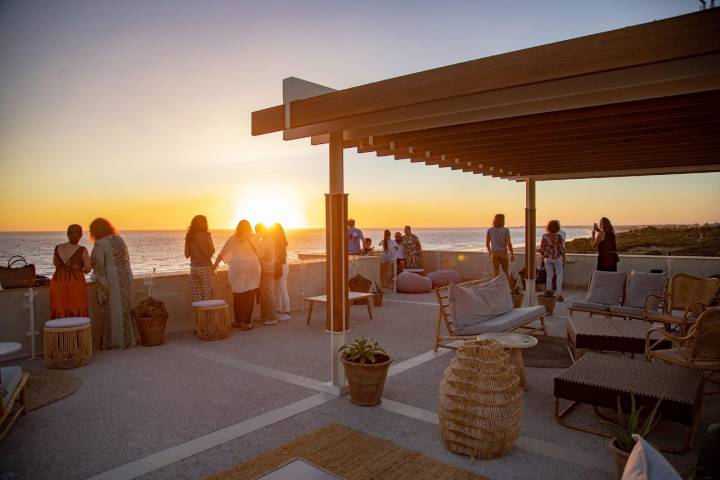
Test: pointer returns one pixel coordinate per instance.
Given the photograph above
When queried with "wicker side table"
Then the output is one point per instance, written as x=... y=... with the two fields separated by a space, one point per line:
x=67 y=342
x=212 y=321
x=513 y=343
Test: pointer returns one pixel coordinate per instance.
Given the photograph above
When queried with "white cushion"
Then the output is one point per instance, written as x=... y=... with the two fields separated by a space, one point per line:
x=646 y=463
x=479 y=303
x=208 y=303
x=10 y=379
x=606 y=288
x=67 y=322
x=504 y=323
x=642 y=285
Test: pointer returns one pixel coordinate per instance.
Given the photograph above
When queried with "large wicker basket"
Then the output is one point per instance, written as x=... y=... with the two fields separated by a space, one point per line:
x=480 y=401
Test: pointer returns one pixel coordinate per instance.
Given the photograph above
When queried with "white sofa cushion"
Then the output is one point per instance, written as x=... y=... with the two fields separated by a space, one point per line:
x=640 y=286
x=590 y=306
x=646 y=463
x=504 y=323
x=208 y=303
x=67 y=322
x=479 y=303
x=10 y=378
x=606 y=288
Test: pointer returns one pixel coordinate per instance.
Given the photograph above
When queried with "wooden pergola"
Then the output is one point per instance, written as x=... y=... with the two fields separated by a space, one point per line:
x=642 y=100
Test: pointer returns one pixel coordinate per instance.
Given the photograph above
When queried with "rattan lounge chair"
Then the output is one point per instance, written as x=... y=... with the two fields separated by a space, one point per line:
x=687 y=298
x=699 y=349
x=13 y=399
x=445 y=317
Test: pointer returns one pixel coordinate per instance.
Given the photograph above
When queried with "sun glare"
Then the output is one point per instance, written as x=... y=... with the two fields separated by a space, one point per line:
x=269 y=205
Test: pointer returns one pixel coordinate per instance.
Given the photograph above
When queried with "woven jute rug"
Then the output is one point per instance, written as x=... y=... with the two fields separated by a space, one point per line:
x=550 y=352
x=351 y=455
x=46 y=386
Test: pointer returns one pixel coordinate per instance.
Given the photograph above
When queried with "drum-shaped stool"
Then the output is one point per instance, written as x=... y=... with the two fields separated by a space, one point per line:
x=67 y=342
x=212 y=321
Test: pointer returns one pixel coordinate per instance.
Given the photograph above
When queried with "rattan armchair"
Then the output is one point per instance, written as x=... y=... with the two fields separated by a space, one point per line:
x=699 y=349
x=686 y=299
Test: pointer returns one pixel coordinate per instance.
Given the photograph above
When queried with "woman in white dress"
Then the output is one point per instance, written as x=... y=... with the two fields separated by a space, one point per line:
x=240 y=252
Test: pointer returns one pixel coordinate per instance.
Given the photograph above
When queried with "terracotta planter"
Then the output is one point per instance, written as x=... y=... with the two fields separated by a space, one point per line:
x=367 y=381
x=548 y=303
x=377 y=299
x=621 y=458
x=152 y=330
x=517 y=299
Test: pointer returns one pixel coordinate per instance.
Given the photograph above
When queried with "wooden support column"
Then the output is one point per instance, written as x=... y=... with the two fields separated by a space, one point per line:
x=337 y=307
x=530 y=223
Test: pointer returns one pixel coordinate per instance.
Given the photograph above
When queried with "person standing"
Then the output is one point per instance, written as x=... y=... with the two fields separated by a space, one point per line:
x=199 y=249
x=355 y=239
x=498 y=243
x=552 y=255
x=268 y=314
x=111 y=264
x=387 y=260
x=603 y=238
x=241 y=253
x=399 y=253
x=412 y=249
x=282 y=299
x=68 y=291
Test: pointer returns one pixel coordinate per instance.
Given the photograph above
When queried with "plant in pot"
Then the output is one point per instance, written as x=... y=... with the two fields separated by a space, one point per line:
x=377 y=292
x=547 y=299
x=628 y=425
x=517 y=296
x=151 y=318
x=366 y=366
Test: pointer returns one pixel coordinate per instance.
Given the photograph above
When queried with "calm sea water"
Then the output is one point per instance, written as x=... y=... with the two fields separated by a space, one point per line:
x=163 y=250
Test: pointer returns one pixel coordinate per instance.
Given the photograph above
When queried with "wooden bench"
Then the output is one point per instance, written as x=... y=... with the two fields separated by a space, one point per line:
x=351 y=296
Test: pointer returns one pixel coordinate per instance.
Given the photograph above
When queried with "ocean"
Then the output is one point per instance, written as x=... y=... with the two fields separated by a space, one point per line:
x=163 y=250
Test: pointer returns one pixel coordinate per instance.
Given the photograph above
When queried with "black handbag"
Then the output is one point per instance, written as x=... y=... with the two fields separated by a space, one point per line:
x=16 y=275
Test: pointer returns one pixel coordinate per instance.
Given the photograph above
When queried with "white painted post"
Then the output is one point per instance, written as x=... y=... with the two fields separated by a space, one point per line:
x=529 y=298
x=30 y=294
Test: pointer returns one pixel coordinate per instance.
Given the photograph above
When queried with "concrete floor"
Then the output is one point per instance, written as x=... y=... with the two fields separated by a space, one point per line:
x=190 y=408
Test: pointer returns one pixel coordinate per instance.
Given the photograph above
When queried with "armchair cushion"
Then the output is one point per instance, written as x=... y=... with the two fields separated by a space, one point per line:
x=646 y=463
x=11 y=377
x=503 y=323
x=590 y=306
x=479 y=303
x=630 y=311
x=606 y=288
x=642 y=285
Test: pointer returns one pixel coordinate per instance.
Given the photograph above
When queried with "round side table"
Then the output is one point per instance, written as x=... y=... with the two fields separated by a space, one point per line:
x=514 y=343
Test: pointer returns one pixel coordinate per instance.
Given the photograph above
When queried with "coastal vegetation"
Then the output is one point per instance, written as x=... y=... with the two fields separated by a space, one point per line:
x=695 y=240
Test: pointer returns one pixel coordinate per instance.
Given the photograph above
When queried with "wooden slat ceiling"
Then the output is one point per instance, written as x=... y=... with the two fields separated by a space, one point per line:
x=641 y=100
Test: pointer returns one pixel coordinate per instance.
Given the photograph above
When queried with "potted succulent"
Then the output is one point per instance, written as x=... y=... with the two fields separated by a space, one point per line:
x=366 y=366
x=377 y=292
x=547 y=299
x=517 y=296
x=151 y=318
x=628 y=425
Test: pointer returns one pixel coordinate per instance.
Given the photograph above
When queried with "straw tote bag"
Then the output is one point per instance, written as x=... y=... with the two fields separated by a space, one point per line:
x=16 y=275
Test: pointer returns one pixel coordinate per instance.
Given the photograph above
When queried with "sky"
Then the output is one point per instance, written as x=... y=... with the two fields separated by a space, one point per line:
x=139 y=111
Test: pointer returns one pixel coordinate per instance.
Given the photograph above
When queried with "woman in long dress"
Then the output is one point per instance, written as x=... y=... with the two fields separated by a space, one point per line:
x=282 y=298
x=111 y=264
x=199 y=249
x=68 y=291
x=412 y=249
x=241 y=253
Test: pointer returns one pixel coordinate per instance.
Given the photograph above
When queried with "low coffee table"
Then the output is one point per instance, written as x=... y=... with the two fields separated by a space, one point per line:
x=606 y=334
x=599 y=380
x=351 y=296
x=514 y=342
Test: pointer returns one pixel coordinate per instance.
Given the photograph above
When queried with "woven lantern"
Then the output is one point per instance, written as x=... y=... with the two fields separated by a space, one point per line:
x=480 y=401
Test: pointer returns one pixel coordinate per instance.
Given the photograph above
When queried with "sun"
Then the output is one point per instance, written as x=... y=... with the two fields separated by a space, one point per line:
x=268 y=205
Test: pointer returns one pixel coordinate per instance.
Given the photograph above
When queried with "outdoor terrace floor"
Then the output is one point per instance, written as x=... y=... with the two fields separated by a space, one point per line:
x=190 y=408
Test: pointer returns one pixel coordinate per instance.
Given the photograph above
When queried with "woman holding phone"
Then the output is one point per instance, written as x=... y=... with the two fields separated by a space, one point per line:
x=603 y=238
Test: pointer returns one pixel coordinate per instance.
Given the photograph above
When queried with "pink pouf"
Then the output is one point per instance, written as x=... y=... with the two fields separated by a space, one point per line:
x=442 y=278
x=408 y=282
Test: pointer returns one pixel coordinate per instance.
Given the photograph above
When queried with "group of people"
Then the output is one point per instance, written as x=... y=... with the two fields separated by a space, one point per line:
x=552 y=250
x=403 y=250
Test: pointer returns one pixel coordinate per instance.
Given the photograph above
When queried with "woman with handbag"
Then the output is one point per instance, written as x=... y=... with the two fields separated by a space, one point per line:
x=282 y=298
x=111 y=265
x=199 y=249
x=241 y=254
x=68 y=291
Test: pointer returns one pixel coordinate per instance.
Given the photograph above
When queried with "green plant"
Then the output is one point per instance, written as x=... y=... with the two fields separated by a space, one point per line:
x=515 y=290
x=376 y=287
x=151 y=307
x=632 y=424
x=362 y=350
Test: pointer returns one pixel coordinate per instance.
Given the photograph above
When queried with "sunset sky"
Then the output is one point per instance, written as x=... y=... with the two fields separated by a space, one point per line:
x=139 y=111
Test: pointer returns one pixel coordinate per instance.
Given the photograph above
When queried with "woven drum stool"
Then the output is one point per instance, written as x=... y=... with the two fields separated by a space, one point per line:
x=67 y=342
x=480 y=401
x=212 y=321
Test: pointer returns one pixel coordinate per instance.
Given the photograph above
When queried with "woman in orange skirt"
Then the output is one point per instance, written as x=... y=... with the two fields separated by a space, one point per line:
x=68 y=292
